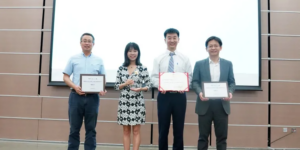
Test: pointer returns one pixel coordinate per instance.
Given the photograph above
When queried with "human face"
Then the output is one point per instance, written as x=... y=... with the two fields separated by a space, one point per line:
x=87 y=43
x=132 y=54
x=213 y=48
x=172 y=40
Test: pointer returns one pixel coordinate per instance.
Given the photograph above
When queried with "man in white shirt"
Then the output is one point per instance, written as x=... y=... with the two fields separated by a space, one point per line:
x=171 y=103
x=213 y=69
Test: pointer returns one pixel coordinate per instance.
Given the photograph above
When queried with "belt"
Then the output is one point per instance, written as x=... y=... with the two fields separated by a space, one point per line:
x=81 y=95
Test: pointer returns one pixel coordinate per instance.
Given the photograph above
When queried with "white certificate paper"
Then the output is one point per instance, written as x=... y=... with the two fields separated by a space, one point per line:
x=92 y=83
x=215 y=89
x=173 y=81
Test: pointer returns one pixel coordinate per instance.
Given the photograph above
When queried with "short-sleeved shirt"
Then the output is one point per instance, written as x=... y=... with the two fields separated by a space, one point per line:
x=81 y=64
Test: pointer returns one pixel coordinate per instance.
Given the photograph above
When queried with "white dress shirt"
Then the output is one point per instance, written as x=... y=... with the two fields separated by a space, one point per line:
x=161 y=64
x=214 y=70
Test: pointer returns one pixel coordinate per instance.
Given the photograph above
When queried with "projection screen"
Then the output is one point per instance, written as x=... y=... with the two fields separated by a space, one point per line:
x=115 y=23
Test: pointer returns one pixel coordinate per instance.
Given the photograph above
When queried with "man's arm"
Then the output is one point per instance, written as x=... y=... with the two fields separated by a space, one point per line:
x=231 y=79
x=67 y=73
x=196 y=80
x=189 y=70
x=155 y=74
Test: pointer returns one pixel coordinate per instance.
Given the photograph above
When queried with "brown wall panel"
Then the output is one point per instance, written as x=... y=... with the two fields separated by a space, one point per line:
x=59 y=131
x=264 y=4
x=20 y=41
x=285 y=70
x=285 y=5
x=56 y=108
x=252 y=96
x=285 y=115
x=19 y=84
x=49 y=3
x=21 y=19
x=46 y=42
x=53 y=90
x=15 y=3
x=20 y=107
x=246 y=137
x=19 y=63
x=18 y=129
x=264 y=69
x=289 y=141
x=48 y=19
x=113 y=133
x=264 y=22
x=285 y=47
x=285 y=92
x=285 y=23
x=56 y=130
x=45 y=64
x=264 y=46
x=249 y=114
x=191 y=134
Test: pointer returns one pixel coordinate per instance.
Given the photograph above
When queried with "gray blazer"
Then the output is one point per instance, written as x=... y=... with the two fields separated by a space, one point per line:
x=202 y=74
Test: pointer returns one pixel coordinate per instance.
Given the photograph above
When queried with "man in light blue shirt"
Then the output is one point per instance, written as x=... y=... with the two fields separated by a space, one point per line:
x=81 y=104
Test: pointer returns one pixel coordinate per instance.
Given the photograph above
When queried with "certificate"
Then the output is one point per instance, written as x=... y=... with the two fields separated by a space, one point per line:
x=92 y=83
x=170 y=81
x=215 y=90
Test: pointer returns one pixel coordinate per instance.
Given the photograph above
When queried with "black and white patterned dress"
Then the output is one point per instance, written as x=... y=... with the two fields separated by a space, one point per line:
x=131 y=108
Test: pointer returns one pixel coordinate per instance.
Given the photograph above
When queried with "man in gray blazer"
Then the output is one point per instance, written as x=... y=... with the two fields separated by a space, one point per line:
x=213 y=69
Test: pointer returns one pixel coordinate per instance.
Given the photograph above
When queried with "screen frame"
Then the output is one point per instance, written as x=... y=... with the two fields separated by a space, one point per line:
x=111 y=84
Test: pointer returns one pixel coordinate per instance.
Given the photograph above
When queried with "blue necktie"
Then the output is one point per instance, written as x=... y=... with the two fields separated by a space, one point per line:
x=171 y=63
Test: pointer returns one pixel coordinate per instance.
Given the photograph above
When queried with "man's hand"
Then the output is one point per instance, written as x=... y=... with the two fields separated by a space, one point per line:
x=228 y=98
x=102 y=92
x=78 y=90
x=163 y=92
x=181 y=92
x=202 y=98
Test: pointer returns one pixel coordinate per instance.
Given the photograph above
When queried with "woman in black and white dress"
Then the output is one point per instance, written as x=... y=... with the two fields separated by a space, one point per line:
x=131 y=109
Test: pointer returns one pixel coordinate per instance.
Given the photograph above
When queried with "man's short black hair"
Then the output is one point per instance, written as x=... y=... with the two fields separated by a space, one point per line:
x=213 y=38
x=89 y=34
x=171 y=30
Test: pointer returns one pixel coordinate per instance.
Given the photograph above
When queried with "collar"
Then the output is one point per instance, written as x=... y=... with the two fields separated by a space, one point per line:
x=168 y=52
x=210 y=61
x=82 y=53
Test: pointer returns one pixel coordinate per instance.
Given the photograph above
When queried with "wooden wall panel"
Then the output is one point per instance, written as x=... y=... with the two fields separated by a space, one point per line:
x=285 y=5
x=59 y=131
x=47 y=42
x=20 y=107
x=285 y=23
x=285 y=92
x=285 y=47
x=18 y=129
x=249 y=114
x=245 y=136
x=20 y=41
x=285 y=70
x=19 y=85
x=16 y=3
x=19 y=63
x=280 y=139
x=21 y=19
x=285 y=115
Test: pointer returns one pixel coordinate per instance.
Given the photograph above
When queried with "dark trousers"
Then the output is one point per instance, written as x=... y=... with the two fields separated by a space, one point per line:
x=83 y=106
x=219 y=117
x=171 y=104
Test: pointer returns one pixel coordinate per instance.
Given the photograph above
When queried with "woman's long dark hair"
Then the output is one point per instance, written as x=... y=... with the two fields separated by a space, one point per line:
x=129 y=46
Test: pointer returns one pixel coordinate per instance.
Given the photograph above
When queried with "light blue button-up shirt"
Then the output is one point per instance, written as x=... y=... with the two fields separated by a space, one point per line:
x=81 y=64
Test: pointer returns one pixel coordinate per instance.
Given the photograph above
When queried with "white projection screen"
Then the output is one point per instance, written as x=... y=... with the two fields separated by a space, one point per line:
x=114 y=23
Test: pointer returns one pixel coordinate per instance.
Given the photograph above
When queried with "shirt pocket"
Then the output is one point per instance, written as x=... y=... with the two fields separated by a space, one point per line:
x=95 y=67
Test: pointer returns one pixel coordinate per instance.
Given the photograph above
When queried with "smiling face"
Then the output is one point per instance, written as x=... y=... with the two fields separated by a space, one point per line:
x=87 y=43
x=172 y=40
x=132 y=54
x=213 y=48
